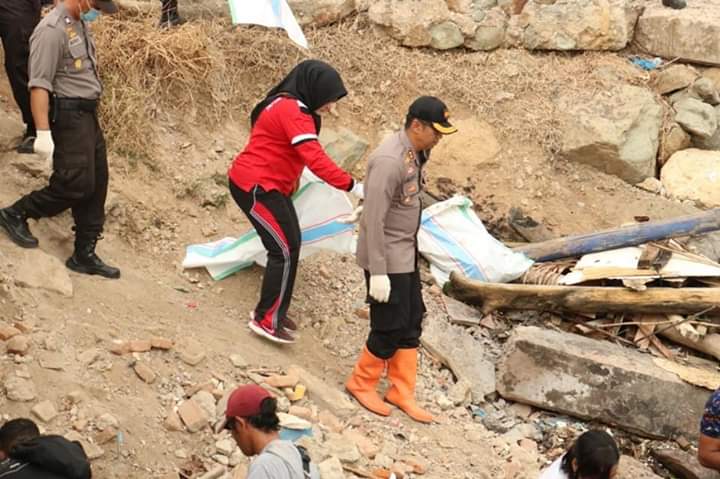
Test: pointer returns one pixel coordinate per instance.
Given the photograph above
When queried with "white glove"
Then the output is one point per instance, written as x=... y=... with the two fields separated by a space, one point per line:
x=358 y=190
x=380 y=288
x=44 y=146
x=352 y=217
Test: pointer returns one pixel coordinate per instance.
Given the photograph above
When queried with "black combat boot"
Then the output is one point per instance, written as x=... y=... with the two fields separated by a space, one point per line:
x=84 y=260
x=169 y=16
x=15 y=223
x=676 y=4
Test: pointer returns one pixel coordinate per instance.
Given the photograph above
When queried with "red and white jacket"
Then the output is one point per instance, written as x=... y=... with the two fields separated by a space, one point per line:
x=283 y=141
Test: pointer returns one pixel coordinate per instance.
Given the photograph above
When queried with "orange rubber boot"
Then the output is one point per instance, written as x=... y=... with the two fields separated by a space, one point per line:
x=402 y=373
x=363 y=382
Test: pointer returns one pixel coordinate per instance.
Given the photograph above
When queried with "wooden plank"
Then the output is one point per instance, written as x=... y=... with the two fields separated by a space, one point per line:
x=579 y=245
x=579 y=299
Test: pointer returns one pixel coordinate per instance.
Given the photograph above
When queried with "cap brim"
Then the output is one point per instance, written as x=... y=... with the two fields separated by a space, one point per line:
x=444 y=128
x=106 y=6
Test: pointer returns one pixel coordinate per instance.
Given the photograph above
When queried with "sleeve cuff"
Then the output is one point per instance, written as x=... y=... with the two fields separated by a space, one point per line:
x=40 y=83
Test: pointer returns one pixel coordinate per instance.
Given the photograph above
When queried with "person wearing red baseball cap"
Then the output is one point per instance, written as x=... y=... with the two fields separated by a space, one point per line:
x=251 y=417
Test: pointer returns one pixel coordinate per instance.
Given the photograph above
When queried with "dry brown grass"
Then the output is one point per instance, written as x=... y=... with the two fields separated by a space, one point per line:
x=208 y=70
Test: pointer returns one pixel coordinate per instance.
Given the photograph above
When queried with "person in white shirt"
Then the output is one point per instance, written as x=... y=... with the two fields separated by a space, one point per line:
x=594 y=455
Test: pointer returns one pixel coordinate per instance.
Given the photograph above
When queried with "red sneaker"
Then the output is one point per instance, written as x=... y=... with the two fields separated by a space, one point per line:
x=278 y=335
x=289 y=324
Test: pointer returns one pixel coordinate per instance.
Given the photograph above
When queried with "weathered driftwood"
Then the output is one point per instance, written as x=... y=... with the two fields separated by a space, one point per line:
x=620 y=237
x=708 y=344
x=580 y=299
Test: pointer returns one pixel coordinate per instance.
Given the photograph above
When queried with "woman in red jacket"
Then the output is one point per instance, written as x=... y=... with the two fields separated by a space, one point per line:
x=263 y=177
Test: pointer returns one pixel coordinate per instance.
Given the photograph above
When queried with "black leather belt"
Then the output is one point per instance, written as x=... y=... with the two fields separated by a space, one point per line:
x=76 y=104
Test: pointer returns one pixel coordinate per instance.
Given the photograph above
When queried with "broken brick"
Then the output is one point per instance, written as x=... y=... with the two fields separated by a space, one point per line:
x=144 y=372
x=45 y=411
x=161 y=343
x=24 y=328
x=119 y=347
x=105 y=436
x=140 y=346
x=172 y=422
x=7 y=332
x=18 y=344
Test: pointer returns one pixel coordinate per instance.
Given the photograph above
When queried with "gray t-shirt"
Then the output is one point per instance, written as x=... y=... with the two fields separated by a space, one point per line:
x=279 y=460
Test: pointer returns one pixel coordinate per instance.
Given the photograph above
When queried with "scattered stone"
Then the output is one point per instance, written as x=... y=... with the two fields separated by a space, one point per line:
x=693 y=174
x=443 y=402
x=321 y=12
x=652 y=185
x=107 y=421
x=23 y=327
x=409 y=22
x=490 y=32
x=461 y=313
x=19 y=344
x=192 y=352
x=194 y=416
x=618 y=134
x=520 y=410
x=344 y=147
x=697 y=118
x=463 y=354
x=181 y=454
x=236 y=458
x=419 y=466
x=93 y=451
x=384 y=461
x=301 y=412
x=669 y=33
x=103 y=437
x=88 y=357
x=54 y=361
x=674 y=78
x=140 y=346
x=279 y=381
x=45 y=411
x=39 y=270
x=220 y=459
x=18 y=389
x=445 y=36
x=460 y=393
x=573 y=25
x=631 y=468
x=673 y=140
x=238 y=361
x=331 y=469
x=164 y=344
x=366 y=447
x=683 y=464
x=289 y=421
x=225 y=447
x=569 y=373
x=342 y=448
x=7 y=332
x=144 y=372
x=172 y=422
x=23 y=372
x=77 y=397
x=323 y=394
x=207 y=402
x=330 y=421
x=297 y=393
x=705 y=89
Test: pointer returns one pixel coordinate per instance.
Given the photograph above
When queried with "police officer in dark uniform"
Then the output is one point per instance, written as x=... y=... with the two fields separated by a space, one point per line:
x=64 y=93
x=17 y=21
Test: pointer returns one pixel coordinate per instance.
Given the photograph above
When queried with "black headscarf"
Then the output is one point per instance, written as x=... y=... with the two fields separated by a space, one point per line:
x=313 y=82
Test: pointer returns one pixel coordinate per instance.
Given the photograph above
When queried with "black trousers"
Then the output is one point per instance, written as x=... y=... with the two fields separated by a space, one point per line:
x=80 y=176
x=396 y=324
x=273 y=216
x=18 y=19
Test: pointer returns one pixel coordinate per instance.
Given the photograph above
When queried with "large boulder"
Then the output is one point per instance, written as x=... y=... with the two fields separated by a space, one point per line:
x=691 y=33
x=674 y=139
x=490 y=31
x=674 y=78
x=344 y=147
x=617 y=133
x=712 y=143
x=410 y=22
x=693 y=175
x=321 y=12
x=578 y=24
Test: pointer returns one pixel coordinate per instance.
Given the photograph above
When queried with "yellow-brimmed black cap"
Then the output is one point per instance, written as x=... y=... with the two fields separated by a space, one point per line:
x=433 y=111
